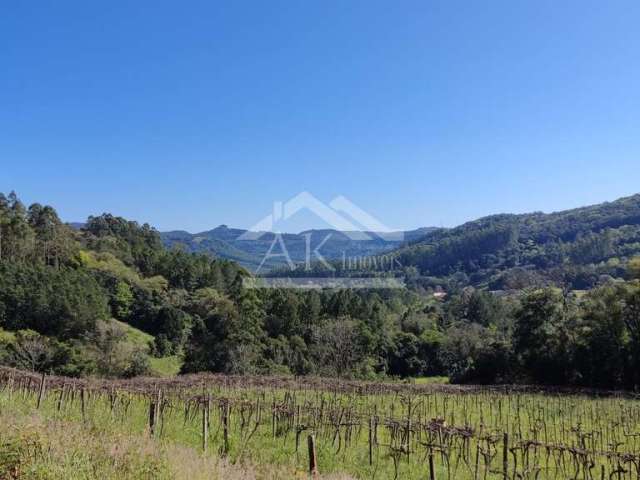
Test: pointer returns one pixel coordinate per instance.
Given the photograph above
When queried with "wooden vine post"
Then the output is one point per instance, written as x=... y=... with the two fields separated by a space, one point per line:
x=225 y=427
x=313 y=458
x=476 y=471
x=152 y=417
x=371 y=441
x=82 y=404
x=432 y=470
x=43 y=380
x=159 y=410
x=10 y=386
x=154 y=412
x=60 y=398
x=409 y=431
x=205 y=423
x=273 y=419
x=505 y=457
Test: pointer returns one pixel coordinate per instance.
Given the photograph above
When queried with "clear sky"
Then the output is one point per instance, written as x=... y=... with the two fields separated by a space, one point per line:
x=188 y=114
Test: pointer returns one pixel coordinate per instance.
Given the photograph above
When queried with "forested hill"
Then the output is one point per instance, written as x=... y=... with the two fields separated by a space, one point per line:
x=105 y=299
x=576 y=248
x=109 y=299
x=225 y=242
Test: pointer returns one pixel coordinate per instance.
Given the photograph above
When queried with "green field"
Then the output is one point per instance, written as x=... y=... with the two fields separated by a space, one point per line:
x=162 y=367
x=363 y=430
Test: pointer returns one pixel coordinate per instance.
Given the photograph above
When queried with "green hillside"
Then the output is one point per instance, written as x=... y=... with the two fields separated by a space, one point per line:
x=111 y=300
x=107 y=299
x=137 y=339
x=577 y=248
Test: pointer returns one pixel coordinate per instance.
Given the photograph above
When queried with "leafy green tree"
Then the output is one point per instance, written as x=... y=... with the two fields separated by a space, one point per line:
x=283 y=313
x=230 y=338
x=245 y=334
x=404 y=358
x=4 y=220
x=310 y=308
x=631 y=316
x=459 y=350
x=138 y=365
x=173 y=324
x=201 y=351
x=493 y=363
x=540 y=336
x=600 y=357
x=298 y=360
x=54 y=244
x=134 y=244
x=122 y=300
x=65 y=303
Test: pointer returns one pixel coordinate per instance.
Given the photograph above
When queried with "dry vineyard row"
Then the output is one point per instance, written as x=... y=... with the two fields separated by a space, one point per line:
x=367 y=429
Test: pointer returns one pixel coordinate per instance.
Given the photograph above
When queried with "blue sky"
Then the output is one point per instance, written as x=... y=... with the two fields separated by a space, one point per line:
x=195 y=113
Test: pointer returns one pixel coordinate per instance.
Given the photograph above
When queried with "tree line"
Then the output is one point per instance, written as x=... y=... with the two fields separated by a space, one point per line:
x=576 y=249
x=70 y=297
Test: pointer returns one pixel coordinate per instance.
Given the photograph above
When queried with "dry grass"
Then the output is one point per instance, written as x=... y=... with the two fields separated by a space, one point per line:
x=33 y=447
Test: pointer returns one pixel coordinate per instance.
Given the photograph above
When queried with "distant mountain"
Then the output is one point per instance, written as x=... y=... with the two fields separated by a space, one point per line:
x=77 y=225
x=227 y=243
x=577 y=248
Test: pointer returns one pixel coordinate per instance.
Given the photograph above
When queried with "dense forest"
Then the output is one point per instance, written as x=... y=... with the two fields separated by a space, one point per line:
x=577 y=249
x=77 y=302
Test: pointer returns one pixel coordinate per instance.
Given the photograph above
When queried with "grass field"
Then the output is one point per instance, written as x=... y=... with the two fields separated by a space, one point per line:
x=162 y=367
x=363 y=430
x=431 y=380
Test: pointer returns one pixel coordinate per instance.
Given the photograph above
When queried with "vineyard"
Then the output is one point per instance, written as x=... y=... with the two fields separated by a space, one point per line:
x=367 y=430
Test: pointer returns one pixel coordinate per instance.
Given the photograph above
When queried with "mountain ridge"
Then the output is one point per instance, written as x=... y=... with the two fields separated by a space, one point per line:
x=225 y=242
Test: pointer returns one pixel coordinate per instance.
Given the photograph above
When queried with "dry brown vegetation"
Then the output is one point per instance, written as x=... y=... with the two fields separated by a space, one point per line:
x=369 y=430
